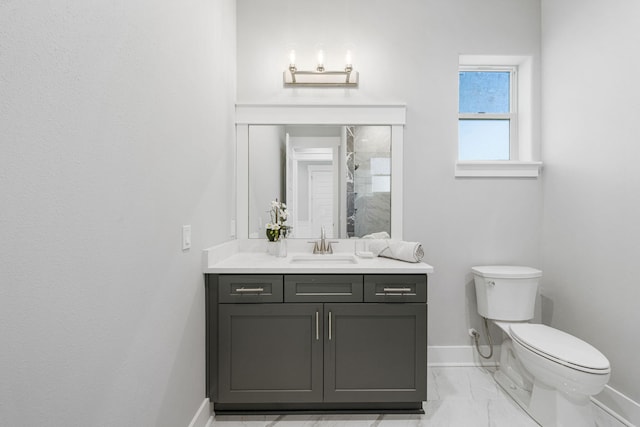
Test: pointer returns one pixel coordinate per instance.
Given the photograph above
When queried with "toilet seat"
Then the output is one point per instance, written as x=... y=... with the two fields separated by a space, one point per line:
x=560 y=347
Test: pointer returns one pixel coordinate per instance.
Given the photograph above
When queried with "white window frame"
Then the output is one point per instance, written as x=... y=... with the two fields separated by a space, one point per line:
x=512 y=115
x=524 y=123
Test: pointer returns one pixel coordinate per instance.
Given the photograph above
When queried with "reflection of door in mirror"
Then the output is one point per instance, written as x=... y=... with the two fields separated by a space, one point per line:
x=312 y=180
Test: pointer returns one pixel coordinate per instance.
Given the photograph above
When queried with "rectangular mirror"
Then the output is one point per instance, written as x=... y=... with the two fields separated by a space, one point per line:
x=332 y=176
x=335 y=166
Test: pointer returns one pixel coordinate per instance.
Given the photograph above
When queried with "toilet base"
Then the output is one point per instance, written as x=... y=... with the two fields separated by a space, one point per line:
x=512 y=377
x=520 y=396
x=547 y=406
x=552 y=408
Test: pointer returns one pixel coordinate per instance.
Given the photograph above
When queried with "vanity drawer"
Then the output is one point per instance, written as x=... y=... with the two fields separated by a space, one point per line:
x=323 y=288
x=250 y=288
x=395 y=288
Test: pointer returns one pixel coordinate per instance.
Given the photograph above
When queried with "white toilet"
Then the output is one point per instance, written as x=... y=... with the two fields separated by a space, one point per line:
x=550 y=373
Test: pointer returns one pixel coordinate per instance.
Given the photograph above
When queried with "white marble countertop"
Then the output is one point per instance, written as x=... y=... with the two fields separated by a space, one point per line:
x=250 y=257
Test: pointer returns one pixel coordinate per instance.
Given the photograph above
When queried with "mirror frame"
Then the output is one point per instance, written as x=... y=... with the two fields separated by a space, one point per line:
x=393 y=115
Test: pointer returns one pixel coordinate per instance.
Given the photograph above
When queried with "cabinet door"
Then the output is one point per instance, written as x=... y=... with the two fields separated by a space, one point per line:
x=375 y=353
x=270 y=353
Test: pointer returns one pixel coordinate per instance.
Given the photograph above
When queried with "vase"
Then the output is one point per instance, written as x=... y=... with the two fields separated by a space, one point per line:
x=281 y=249
x=272 y=247
x=277 y=248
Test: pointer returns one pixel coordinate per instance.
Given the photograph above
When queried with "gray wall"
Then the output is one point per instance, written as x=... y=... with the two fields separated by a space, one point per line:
x=116 y=128
x=410 y=54
x=591 y=243
x=266 y=175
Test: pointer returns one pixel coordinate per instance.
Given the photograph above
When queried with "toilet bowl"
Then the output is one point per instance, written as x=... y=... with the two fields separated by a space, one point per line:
x=550 y=373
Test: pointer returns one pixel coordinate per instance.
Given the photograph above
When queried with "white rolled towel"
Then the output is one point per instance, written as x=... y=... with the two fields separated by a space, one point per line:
x=378 y=235
x=404 y=251
x=380 y=245
x=377 y=246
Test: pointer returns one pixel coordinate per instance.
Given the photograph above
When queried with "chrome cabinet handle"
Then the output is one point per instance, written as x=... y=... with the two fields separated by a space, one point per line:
x=241 y=290
x=329 y=326
x=395 y=290
x=317 y=326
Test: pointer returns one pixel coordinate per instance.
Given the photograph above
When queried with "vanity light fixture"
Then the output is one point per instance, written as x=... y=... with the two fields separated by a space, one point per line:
x=320 y=77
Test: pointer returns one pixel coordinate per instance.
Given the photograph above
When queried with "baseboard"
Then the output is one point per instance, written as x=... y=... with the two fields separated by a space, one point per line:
x=619 y=406
x=203 y=417
x=461 y=355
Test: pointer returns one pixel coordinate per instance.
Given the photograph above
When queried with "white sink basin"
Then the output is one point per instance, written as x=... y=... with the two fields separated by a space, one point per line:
x=324 y=259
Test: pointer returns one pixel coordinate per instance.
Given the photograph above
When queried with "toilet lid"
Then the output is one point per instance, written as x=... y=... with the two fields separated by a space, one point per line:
x=560 y=347
x=506 y=271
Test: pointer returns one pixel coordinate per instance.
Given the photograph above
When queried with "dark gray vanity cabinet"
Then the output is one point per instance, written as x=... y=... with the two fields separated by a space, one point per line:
x=279 y=343
x=375 y=353
x=270 y=352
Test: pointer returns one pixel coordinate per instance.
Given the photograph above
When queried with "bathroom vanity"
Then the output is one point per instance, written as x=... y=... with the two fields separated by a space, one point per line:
x=295 y=334
x=310 y=332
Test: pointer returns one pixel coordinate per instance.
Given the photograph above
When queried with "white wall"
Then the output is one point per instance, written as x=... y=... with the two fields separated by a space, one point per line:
x=591 y=243
x=409 y=53
x=116 y=128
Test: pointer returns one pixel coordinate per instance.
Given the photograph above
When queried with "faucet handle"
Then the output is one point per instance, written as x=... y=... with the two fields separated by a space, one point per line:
x=329 y=247
x=316 y=248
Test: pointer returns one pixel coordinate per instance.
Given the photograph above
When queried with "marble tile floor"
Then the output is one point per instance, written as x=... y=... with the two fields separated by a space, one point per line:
x=457 y=397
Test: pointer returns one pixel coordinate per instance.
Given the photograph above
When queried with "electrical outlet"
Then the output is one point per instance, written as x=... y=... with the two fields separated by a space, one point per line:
x=186 y=237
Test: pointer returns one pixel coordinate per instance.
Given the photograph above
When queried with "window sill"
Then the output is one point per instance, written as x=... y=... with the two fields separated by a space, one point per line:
x=498 y=169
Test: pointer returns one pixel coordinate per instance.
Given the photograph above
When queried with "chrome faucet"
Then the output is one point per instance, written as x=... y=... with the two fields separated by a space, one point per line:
x=322 y=246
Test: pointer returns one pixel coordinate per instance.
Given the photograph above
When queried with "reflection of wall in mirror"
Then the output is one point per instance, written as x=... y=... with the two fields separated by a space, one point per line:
x=373 y=213
x=371 y=180
x=266 y=155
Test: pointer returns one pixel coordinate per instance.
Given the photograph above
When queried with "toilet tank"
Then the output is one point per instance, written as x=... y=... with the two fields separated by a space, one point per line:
x=505 y=292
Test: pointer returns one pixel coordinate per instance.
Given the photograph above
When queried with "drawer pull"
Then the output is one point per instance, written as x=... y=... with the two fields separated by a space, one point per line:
x=317 y=326
x=396 y=290
x=329 y=326
x=247 y=290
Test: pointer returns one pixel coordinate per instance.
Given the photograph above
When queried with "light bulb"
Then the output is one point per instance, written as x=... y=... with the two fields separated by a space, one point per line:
x=320 y=67
x=292 y=57
x=348 y=58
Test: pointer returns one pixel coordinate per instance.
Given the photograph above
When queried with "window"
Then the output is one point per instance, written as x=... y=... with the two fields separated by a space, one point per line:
x=498 y=116
x=487 y=123
x=380 y=174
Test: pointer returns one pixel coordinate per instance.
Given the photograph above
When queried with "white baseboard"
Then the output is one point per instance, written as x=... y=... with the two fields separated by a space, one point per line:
x=203 y=417
x=461 y=355
x=619 y=406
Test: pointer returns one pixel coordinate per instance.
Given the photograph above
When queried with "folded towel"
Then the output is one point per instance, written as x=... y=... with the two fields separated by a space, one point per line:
x=396 y=249
x=378 y=235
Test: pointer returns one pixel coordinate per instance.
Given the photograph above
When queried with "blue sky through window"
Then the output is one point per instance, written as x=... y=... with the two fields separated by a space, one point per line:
x=484 y=92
